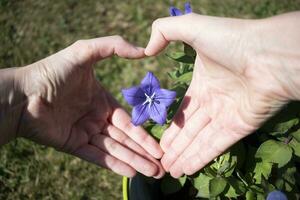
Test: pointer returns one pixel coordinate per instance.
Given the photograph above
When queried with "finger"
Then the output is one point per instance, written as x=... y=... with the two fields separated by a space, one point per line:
x=188 y=106
x=169 y=29
x=185 y=137
x=122 y=153
x=100 y=48
x=123 y=139
x=212 y=36
x=209 y=143
x=94 y=155
x=122 y=121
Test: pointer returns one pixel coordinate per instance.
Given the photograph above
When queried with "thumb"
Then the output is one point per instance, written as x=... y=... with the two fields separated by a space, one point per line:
x=222 y=39
x=169 y=29
x=93 y=50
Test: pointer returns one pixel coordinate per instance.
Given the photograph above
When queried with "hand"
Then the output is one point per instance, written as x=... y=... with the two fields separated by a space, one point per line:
x=244 y=72
x=69 y=110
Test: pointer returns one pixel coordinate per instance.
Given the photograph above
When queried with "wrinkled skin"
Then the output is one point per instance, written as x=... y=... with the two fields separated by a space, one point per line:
x=69 y=110
x=244 y=72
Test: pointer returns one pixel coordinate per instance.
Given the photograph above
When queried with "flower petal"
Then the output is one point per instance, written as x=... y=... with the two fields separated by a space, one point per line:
x=134 y=95
x=140 y=114
x=175 y=11
x=165 y=97
x=187 y=8
x=150 y=83
x=158 y=112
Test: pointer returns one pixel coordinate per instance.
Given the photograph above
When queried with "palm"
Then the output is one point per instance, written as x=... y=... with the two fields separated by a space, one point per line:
x=75 y=114
x=225 y=107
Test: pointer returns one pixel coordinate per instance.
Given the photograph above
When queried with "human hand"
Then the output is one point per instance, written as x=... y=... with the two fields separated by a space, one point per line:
x=69 y=110
x=244 y=72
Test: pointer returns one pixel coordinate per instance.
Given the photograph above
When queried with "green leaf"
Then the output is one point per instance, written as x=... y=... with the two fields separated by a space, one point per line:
x=284 y=126
x=185 y=78
x=286 y=119
x=295 y=146
x=262 y=169
x=286 y=178
x=173 y=74
x=170 y=185
x=224 y=165
x=157 y=131
x=201 y=183
x=268 y=187
x=274 y=152
x=250 y=195
x=296 y=135
x=235 y=189
x=181 y=57
x=217 y=186
x=260 y=197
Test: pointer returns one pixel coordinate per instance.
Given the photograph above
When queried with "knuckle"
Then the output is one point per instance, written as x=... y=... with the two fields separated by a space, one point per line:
x=82 y=48
x=118 y=39
x=189 y=133
x=79 y=44
x=156 y=23
x=113 y=146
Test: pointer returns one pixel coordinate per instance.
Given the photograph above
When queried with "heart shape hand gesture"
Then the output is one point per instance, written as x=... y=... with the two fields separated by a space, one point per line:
x=244 y=73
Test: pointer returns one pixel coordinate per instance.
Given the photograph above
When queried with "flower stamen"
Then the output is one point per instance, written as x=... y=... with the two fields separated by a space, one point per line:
x=149 y=99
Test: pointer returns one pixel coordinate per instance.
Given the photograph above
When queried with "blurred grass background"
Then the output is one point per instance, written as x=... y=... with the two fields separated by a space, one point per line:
x=33 y=29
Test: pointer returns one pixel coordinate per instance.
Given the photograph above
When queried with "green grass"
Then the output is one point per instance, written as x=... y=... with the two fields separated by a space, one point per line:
x=33 y=29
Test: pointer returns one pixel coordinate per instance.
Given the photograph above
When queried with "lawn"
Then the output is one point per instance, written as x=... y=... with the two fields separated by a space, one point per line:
x=33 y=29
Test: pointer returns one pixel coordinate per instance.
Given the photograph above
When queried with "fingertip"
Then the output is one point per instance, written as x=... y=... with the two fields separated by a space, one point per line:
x=150 y=169
x=129 y=173
x=163 y=145
x=160 y=174
x=158 y=153
x=140 y=53
x=156 y=45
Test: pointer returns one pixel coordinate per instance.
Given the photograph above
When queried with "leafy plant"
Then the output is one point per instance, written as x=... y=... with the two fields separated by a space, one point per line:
x=272 y=152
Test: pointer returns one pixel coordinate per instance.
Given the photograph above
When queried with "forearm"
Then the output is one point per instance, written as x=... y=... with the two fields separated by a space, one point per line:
x=12 y=103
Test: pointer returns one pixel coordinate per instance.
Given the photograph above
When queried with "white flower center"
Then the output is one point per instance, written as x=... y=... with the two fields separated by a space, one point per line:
x=149 y=99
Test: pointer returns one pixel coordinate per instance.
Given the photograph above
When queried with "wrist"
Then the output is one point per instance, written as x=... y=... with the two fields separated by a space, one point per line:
x=275 y=54
x=12 y=104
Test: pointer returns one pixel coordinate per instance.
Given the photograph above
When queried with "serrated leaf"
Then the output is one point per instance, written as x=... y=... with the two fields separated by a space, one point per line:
x=170 y=185
x=217 y=186
x=262 y=169
x=201 y=183
x=295 y=146
x=235 y=189
x=274 y=152
x=285 y=126
x=181 y=57
x=296 y=135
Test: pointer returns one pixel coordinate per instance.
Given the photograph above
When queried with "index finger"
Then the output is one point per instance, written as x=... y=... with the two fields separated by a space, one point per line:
x=122 y=121
x=169 y=29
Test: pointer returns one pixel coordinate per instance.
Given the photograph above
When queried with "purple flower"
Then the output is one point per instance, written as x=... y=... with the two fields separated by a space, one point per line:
x=149 y=100
x=276 y=195
x=176 y=12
